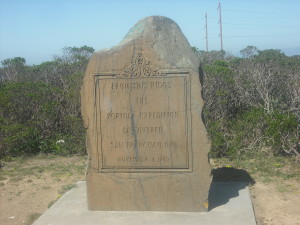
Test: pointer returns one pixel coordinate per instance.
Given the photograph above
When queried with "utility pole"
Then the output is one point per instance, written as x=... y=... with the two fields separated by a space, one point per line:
x=206 y=36
x=220 y=22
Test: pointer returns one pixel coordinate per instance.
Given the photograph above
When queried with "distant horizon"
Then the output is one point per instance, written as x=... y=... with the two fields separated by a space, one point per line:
x=38 y=30
x=288 y=52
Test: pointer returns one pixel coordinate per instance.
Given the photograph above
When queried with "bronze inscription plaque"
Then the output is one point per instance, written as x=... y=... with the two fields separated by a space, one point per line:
x=143 y=124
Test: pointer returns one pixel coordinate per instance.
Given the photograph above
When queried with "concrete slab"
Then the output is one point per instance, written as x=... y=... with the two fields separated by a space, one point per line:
x=230 y=204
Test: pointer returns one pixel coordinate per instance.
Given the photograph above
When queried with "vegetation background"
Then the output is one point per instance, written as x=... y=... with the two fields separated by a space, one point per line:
x=252 y=114
x=40 y=105
x=252 y=103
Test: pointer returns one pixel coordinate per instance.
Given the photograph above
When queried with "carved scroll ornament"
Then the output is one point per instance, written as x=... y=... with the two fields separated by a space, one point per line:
x=141 y=67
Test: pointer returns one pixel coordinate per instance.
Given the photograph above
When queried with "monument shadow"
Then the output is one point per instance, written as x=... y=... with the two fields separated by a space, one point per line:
x=226 y=184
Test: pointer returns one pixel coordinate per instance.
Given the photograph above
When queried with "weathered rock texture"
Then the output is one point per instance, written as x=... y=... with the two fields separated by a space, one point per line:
x=141 y=105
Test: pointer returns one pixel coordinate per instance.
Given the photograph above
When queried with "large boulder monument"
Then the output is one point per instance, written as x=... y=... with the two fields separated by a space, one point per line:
x=146 y=141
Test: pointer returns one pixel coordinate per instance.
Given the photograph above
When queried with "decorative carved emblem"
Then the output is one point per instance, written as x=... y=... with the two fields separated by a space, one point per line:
x=141 y=67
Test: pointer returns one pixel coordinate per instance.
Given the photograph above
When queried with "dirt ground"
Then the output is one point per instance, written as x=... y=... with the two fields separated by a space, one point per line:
x=29 y=187
x=274 y=206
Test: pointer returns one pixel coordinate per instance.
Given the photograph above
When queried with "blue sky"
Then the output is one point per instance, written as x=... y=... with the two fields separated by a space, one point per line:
x=38 y=29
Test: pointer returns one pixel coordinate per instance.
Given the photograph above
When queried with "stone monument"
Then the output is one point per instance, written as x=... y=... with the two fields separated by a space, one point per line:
x=146 y=141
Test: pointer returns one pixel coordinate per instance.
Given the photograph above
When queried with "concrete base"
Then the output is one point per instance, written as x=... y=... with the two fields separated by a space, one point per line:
x=230 y=204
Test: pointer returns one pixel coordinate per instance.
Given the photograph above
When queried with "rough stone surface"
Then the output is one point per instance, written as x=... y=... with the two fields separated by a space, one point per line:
x=141 y=105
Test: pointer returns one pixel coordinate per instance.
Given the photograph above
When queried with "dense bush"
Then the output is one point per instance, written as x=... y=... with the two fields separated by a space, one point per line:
x=252 y=104
x=29 y=113
x=40 y=107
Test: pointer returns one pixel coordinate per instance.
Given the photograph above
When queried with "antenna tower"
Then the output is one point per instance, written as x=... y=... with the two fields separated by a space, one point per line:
x=206 y=36
x=220 y=22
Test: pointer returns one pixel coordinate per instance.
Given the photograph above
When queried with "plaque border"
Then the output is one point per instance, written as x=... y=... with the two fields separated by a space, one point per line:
x=188 y=125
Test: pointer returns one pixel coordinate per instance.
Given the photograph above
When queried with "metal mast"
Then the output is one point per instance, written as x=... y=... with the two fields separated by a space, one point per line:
x=220 y=22
x=206 y=36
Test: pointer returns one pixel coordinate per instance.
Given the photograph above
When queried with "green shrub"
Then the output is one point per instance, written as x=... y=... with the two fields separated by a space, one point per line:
x=251 y=132
x=32 y=121
x=281 y=131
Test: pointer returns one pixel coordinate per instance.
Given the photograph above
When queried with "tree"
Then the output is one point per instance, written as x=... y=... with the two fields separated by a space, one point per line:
x=13 y=67
x=274 y=55
x=75 y=59
x=249 y=51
